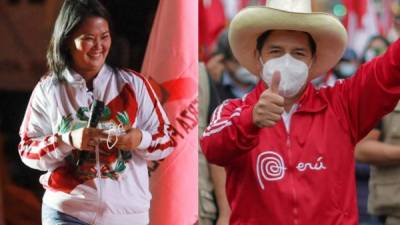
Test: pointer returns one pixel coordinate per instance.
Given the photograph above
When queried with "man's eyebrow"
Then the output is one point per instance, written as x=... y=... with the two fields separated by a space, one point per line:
x=300 y=49
x=274 y=46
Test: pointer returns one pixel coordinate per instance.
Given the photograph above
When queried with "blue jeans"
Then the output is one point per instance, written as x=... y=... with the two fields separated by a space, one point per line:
x=51 y=216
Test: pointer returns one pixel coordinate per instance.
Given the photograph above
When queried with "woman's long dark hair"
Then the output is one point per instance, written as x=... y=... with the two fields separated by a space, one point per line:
x=71 y=16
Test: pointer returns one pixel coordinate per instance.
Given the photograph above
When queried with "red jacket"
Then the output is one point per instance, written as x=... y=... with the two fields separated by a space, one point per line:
x=306 y=176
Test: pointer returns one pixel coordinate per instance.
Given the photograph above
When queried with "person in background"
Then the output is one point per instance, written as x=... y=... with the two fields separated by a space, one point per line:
x=345 y=68
x=235 y=80
x=347 y=65
x=215 y=67
x=96 y=174
x=213 y=205
x=394 y=32
x=381 y=150
x=376 y=46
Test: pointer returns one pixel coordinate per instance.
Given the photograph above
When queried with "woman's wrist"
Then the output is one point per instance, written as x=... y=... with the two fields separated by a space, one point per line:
x=144 y=141
x=137 y=137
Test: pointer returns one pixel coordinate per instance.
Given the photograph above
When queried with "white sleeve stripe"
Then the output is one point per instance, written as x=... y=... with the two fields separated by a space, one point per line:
x=217 y=113
x=221 y=122
x=217 y=130
x=146 y=140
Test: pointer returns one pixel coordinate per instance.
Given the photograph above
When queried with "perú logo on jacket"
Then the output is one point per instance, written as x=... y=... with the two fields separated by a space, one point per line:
x=270 y=166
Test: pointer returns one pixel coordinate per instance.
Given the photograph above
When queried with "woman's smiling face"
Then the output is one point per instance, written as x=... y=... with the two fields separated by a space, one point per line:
x=89 y=46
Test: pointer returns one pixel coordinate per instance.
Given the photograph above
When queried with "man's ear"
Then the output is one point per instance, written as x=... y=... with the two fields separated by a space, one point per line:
x=314 y=58
x=259 y=60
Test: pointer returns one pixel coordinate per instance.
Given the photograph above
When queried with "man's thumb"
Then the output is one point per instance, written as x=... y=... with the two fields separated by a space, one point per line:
x=276 y=79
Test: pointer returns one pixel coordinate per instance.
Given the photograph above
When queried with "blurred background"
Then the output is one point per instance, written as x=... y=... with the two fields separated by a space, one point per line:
x=25 y=28
x=362 y=18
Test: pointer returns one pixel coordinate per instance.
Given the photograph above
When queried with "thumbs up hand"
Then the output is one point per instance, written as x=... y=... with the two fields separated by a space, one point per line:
x=270 y=106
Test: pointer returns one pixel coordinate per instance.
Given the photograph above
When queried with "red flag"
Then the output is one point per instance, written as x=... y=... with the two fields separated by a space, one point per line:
x=385 y=19
x=358 y=8
x=211 y=22
x=171 y=62
x=361 y=23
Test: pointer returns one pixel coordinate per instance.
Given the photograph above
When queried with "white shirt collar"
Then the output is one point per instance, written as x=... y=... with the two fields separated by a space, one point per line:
x=287 y=116
x=74 y=78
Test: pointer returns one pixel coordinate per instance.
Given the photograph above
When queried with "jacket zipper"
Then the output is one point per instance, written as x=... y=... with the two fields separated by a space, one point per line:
x=295 y=210
x=98 y=174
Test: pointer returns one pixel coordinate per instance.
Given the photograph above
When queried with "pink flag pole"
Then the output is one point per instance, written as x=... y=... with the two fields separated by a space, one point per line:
x=171 y=63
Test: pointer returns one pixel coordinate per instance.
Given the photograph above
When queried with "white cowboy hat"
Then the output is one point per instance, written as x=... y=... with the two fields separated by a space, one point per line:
x=328 y=33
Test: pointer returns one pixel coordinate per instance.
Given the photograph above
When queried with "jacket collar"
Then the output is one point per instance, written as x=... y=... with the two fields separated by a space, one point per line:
x=74 y=78
x=311 y=101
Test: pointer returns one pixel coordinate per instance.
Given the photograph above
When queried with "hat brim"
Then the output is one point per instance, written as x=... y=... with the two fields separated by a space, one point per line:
x=328 y=33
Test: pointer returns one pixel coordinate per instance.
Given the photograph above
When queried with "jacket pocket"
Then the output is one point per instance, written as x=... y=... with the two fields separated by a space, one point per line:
x=384 y=198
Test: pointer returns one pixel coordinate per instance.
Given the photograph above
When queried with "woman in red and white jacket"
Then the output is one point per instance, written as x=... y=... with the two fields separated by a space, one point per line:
x=82 y=187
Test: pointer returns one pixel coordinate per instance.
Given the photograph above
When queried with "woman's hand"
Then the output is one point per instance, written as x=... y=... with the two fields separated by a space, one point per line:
x=86 y=138
x=130 y=140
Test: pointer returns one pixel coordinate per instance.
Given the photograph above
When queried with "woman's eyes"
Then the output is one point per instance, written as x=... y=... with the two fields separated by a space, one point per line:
x=105 y=36
x=91 y=38
x=88 y=38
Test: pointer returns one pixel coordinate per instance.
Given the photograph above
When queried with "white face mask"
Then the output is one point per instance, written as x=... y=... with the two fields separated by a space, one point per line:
x=346 y=69
x=294 y=74
x=244 y=76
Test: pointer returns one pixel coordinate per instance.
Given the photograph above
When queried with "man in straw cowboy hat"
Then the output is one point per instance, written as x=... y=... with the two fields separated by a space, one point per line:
x=287 y=147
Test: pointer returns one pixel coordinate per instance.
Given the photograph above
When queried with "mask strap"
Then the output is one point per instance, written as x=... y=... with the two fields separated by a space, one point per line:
x=113 y=132
x=261 y=61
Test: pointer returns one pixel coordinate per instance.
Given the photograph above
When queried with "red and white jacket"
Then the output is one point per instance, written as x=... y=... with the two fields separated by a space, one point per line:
x=57 y=107
x=304 y=176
